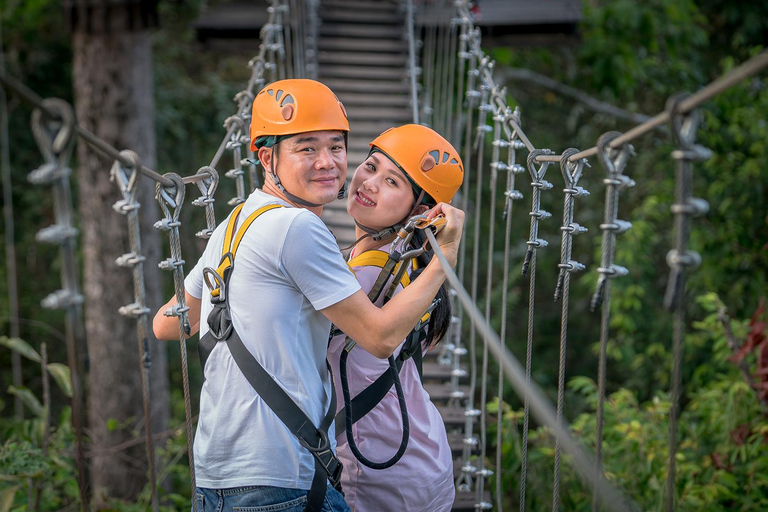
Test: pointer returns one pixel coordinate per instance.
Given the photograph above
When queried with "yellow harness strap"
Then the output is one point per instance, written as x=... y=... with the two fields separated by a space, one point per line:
x=376 y=258
x=234 y=236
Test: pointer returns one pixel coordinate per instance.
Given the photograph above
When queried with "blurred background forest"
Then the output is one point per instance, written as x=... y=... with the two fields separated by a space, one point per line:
x=630 y=54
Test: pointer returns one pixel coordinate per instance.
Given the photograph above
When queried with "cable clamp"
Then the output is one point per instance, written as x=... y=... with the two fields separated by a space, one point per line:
x=539 y=242
x=166 y=224
x=134 y=310
x=686 y=259
x=48 y=173
x=574 y=228
x=617 y=226
x=56 y=234
x=613 y=271
x=542 y=185
x=176 y=310
x=61 y=299
x=577 y=191
x=697 y=153
x=514 y=195
x=693 y=206
x=130 y=259
x=572 y=266
x=170 y=264
x=540 y=214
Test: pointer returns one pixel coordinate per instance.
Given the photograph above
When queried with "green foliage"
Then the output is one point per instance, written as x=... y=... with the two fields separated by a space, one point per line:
x=721 y=460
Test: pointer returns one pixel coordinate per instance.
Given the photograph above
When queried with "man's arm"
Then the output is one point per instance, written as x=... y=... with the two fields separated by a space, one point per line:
x=381 y=330
x=167 y=327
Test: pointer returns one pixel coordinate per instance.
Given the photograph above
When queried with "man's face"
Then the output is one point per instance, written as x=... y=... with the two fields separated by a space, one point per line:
x=312 y=165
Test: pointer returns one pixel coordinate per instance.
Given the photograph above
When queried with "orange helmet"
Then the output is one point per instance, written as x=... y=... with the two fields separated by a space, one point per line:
x=426 y=157
x=287 y=107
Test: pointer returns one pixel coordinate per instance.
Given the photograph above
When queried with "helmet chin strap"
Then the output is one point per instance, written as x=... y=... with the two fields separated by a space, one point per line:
x=378 y=235
x=296 y=199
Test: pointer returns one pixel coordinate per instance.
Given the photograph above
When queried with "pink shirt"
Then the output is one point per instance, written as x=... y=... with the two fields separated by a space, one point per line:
x=422 y=480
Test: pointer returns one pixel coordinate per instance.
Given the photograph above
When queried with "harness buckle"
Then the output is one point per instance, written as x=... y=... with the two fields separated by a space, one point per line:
x=323 y=446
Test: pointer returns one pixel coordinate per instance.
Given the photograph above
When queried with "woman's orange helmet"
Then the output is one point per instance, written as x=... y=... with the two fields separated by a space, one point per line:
x=426 y=157
x=287 y=107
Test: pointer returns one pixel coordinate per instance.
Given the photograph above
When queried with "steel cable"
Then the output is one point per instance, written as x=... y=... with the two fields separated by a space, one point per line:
x=127 y=180
x=680 y=259
x=171 y=200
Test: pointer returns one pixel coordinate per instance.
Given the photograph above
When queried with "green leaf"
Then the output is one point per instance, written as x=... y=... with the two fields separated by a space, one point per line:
x=20 y=346
x=6 y=498
x=60 y=373
x=28 y=399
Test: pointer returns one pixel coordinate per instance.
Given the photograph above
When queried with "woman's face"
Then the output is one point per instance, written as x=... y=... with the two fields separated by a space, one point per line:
x=380 y=195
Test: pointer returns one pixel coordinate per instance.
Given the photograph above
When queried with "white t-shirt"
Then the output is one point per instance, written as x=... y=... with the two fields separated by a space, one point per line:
x=287 y=268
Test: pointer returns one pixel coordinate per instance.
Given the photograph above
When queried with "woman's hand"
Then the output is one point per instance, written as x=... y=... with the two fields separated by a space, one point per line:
x=449 y=238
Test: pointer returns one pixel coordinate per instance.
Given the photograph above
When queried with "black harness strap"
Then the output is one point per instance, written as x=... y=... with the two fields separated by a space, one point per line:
x=365 y=401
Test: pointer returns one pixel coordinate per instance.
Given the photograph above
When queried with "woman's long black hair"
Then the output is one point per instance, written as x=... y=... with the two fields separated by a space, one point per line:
x=440 y=319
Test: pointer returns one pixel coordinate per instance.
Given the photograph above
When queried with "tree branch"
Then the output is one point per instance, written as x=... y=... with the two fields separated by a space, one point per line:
x=526 y=75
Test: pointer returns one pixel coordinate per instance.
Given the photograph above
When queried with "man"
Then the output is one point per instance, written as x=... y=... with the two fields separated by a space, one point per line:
x=290 y=282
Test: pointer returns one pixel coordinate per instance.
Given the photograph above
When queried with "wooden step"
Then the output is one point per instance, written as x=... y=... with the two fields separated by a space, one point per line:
x=454 y=417
x=363 y=45
x=352 y=99
x=363 y=58
x=368 y=129
x=381 y=16
x=456 y=440
x=368 y=86
x=466 y=501
x=369 y=5
x=441 y=392
x=362 y=72
x=362 y=30
x=392 y=115
x=434 y=371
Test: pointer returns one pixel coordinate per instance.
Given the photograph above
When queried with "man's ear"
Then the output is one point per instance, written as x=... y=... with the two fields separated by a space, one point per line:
x=265 y=156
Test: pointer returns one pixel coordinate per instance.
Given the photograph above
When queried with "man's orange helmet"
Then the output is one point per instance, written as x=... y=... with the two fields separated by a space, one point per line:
x=287 y=107
x=426 y=157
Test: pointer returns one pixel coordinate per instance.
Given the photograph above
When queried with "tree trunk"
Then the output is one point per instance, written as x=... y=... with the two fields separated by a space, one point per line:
x=114 y=100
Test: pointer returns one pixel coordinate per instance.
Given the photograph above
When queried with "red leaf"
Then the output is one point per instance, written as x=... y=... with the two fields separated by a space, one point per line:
x=762 y=368
x=756 y=334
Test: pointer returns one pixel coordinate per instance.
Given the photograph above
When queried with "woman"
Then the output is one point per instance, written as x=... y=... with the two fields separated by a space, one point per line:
x=409 y=169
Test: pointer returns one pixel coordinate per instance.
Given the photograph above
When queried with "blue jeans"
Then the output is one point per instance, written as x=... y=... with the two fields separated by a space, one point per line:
x=260 y=498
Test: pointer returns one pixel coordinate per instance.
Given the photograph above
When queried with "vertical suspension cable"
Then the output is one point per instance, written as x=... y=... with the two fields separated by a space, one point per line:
x=613 y=162
x=10 y=243
x=446 y=51
x=412 y=62
x=680 y=259
x=510 y=195
x=465 y=481
x=437 y=83
x=171 y=200
x=127 y=180
x=54 y=134
x=448 y=128
x=539 y=184
x=461 y=56
x=571 y=172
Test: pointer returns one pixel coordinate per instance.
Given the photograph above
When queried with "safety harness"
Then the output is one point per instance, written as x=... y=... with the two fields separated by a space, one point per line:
x=221 y=329
x=395 y=263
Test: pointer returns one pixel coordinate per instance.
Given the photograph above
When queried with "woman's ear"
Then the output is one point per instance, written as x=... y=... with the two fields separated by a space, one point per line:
x=265 y=156
x=421 y=209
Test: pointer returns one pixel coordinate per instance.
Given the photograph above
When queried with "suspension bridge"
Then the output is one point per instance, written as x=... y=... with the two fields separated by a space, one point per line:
x=389 y=70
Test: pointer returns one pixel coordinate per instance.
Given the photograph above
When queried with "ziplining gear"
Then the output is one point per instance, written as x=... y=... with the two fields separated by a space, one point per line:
x=393 y=265
x=288 y=107
x=314 y=439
